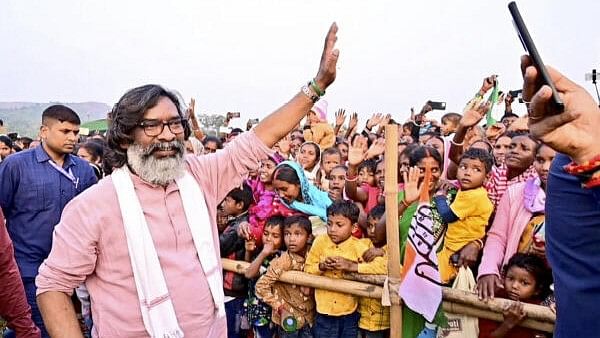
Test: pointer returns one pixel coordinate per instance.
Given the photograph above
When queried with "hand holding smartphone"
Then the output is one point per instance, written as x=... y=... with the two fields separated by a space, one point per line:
x=530 y=48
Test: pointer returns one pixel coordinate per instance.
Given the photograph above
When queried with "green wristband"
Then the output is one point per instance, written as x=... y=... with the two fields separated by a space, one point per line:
x=316 y=88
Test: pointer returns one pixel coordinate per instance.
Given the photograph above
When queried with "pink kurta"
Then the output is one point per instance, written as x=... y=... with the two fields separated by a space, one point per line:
x=503 y=237
x=90 y=245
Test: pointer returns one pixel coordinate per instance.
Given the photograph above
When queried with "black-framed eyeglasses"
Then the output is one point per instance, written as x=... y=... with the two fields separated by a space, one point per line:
x=154 y=128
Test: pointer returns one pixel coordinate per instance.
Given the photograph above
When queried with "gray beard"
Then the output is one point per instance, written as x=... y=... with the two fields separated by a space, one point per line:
x=159 y=171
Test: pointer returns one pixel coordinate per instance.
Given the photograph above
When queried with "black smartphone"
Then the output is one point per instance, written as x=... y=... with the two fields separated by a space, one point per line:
x=437 y=105
x=515 y=93
x=535 y=56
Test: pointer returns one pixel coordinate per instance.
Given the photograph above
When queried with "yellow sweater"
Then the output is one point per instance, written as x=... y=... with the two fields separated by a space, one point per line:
x=329 y=302
x=321 y=134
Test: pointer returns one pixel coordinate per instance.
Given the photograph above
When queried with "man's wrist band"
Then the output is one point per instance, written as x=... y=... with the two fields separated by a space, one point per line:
x=313 y=84
x=310 y=93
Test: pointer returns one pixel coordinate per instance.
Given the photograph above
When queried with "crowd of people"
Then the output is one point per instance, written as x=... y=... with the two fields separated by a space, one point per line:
x=121 y=234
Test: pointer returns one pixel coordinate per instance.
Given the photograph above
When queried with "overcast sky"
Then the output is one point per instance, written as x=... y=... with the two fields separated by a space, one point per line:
x=252 y=56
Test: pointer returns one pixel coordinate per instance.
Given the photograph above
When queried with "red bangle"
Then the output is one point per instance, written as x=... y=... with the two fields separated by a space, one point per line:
x=586 y=167
x=594 y=181
x=588 y=172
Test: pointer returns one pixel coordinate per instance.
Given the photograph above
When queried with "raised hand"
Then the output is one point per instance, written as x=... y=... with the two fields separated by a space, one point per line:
x=573 y=132
x=386 y=120
x=473 y=116
x=285 y=144
x=327 y=67
x=340 y=117
x=426 y=109
x=374 y=120
x=376 y=149
x=353 y=121
x=191 y=109
x=356 y=154
x=488 y=83
x=412 y=188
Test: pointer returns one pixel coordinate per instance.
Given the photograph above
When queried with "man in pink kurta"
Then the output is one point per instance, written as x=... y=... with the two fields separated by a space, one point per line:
x=90 y=245
x=146 y=134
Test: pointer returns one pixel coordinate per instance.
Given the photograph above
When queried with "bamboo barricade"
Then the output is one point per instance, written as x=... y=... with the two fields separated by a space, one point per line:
x=392 y=228
x=455 y=301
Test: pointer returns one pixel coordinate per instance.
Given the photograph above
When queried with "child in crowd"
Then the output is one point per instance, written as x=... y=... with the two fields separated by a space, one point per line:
x=450 y=124
x=374 y=318
x=235 y=206
x=330 y=255
x=297 y=193
x=266 y=201
x=257 y=312
x=308 y=157
x=365 y=173
x=343 y=148
x=364 y=187
x=293 y=308
x=407 y=128
x=527 y=280
x=469 y=213
x=317 y=129
x=295 y=144
x=330 y=158
x=337 y=182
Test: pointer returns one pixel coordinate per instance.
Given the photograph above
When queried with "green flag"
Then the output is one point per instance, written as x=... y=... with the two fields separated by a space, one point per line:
x=492 y=99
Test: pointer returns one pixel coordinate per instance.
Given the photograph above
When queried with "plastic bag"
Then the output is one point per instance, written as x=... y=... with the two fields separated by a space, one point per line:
x=461 y=326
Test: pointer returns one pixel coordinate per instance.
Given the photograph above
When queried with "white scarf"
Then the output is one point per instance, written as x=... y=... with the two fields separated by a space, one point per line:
x=157 y=309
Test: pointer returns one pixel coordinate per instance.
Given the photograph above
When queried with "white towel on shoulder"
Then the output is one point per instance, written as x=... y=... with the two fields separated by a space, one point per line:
x=157 y=309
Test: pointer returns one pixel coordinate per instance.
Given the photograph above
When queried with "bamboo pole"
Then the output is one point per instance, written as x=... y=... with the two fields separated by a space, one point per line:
x=318 y=282
x=455 y=301
x=537 y=312
x=371 y=279
x=457 y=308
x=392 y=230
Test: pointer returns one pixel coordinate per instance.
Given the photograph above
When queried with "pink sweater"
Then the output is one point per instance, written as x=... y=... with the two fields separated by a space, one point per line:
x=90 y=246
x=503 y=237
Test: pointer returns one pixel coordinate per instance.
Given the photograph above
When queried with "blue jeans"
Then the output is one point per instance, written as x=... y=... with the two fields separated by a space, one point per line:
x=233 y=311
x=304 y=332
x=336 y=326
x=36 y=316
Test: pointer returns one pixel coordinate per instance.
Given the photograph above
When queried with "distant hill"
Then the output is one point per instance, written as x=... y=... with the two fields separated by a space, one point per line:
x=25 y=117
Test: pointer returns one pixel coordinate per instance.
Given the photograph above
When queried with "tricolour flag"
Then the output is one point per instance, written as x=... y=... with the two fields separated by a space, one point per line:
x=421 y=287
